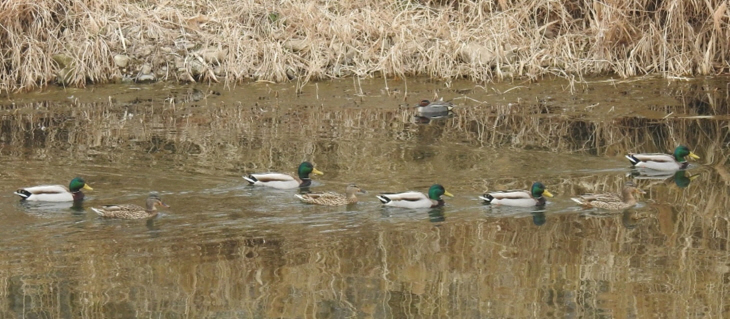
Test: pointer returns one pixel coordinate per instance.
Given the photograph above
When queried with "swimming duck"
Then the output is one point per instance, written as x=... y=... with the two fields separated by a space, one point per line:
x=132 y=211
x=55 y=193
x=332 y=198
x=428 y=108
x=611 y=201
x=412 y=199
x=285 y=181
x=663 y=162
x=520 y=198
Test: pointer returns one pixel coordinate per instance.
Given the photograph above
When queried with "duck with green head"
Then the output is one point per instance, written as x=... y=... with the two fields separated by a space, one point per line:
x=429 y=109
x=413 y=199
x=55 y=193
x=663 y=162
x=285 y=181
x=521 y=198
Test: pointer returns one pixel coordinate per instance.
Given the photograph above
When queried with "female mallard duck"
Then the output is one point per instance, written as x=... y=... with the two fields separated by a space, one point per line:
x=611 y=201
x=663 y=162
x=412 y=199
x=428 y=108
x=285 y=181
x=332 y=198
x=520 y=198
x=55 y=193
x=131 y=211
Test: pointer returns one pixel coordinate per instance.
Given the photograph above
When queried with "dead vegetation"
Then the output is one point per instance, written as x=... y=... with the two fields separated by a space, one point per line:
x=79 y=42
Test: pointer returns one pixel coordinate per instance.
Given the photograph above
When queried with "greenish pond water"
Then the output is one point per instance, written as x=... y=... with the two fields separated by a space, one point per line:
x=228 y=250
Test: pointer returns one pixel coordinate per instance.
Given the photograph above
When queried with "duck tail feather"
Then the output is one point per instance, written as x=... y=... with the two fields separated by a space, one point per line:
x=23 y=193
x=633 y=159
x=251 y=179
x=383 y=199
x=487 y=198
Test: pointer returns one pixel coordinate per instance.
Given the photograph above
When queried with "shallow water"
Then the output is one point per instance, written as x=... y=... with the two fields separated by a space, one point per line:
x=226 y=249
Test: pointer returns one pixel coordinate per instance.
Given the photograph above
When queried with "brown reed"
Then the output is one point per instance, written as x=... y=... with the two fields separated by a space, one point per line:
x=75 y=42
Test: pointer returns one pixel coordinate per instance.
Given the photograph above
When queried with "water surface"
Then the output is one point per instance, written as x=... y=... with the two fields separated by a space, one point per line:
x=225 y=249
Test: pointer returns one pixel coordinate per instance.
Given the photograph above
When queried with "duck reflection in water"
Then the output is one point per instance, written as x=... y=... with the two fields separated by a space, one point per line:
x=632 y=219
x=436 y=215
x=76 y=207
x=426 y=120
x=539 y=218
x=681 y=178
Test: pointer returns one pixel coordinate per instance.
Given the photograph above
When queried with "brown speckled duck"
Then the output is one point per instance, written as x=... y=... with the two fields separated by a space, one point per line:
x=131 y=211
x=611 y=201
x=332 y=198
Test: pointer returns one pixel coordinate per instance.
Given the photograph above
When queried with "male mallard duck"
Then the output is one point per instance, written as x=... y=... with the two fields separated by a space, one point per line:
x=412 y=199
x=332 y=198
x=429 y=109
x=611 y=201
x=55 y=193
x=285 y=181
x=131 y=211
x=663 y=162
x=521 y=198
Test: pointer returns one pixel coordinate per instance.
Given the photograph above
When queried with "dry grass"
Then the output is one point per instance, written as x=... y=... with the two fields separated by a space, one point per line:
x=77 y=42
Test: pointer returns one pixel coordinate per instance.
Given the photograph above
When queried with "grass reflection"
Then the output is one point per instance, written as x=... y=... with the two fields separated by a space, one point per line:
x=240 y=256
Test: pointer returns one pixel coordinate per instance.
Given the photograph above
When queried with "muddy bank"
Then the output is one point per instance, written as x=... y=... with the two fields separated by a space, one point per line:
x=75 y=43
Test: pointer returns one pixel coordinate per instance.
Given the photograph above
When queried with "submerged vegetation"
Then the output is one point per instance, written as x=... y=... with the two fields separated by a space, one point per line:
x=74 y=42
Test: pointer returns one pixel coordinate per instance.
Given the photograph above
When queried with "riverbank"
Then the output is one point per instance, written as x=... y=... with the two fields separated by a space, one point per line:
x=74 y=43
